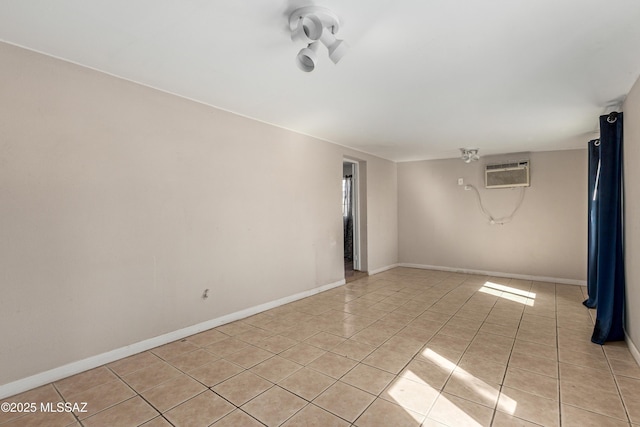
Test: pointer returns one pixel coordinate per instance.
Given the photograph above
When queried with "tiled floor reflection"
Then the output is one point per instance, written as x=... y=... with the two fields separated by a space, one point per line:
x=406 y=347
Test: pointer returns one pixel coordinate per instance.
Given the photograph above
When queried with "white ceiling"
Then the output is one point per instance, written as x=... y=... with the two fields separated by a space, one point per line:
x=421 y=79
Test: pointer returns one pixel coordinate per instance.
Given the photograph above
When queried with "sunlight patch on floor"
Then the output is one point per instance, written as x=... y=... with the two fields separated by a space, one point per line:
x=415 y=394
x=507 y=292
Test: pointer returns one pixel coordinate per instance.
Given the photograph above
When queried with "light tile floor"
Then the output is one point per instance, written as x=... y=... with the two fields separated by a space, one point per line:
x=405 y=347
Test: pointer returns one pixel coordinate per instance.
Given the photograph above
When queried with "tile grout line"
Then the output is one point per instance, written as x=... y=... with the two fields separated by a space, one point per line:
x=555 y=295
x=504 y=376
x=615 y=380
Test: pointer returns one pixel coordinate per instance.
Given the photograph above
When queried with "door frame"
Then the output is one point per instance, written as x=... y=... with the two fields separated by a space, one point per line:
x=355 y=200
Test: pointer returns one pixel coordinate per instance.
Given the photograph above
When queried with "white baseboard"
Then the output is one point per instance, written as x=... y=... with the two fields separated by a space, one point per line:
x=497 y=274
x=92 y=362
x=632 y=348
x=380 y=270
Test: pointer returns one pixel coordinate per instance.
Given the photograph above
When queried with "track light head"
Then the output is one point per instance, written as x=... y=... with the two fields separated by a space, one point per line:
x=337 y=48
x=307 y=57
x=309 y=29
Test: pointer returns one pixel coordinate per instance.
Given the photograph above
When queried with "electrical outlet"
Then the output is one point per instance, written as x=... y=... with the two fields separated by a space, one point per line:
x=460 y=181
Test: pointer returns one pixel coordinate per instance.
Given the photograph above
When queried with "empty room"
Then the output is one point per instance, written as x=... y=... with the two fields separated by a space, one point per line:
x=296 y=213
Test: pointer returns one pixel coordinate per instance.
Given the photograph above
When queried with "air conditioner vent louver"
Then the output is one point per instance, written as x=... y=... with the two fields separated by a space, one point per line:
x=503 y=166
x=505 y=175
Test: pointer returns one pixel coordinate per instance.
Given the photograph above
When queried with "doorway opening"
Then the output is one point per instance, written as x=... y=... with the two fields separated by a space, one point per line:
x=351 y=220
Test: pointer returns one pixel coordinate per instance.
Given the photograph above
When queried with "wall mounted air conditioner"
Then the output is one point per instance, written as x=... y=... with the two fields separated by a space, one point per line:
x=505 y=175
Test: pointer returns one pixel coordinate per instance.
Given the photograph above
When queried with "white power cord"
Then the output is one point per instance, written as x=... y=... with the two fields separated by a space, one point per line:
x=490 y=217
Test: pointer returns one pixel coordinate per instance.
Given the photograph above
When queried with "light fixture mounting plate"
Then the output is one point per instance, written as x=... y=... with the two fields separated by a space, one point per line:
x=329 y=19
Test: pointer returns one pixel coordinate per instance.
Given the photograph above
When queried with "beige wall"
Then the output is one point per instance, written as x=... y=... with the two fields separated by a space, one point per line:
x=382 y=193
x=631 y=109
x=120 y=204
x=441 y=225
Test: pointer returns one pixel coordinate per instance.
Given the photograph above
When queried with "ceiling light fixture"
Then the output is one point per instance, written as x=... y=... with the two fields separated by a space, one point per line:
x=312 y=24
x=469 y=155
